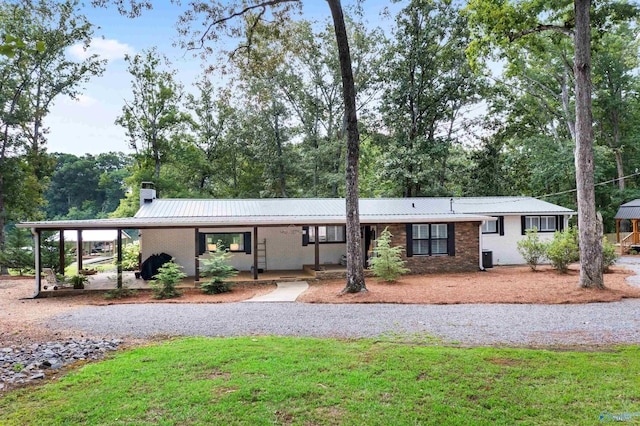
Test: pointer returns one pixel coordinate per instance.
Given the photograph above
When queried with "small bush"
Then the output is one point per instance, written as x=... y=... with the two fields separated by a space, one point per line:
x=532 y=249
x=130 y=256
x=164 y=284
x=215 y=287
x=387 y=263
x=120 y=293
x=609 y=255
x=78 y=281
x=217 y=268
x=563 y=249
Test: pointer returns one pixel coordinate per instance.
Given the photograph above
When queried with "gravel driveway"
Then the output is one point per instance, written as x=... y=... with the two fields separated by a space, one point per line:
x=597 y=323
x=494 y=324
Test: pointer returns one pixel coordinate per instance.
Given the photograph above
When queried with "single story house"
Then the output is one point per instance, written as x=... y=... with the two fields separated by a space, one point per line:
x=437 y=234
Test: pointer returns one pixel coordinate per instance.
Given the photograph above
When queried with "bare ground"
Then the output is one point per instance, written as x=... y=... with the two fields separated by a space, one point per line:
x=498 y=285
x=23 y=320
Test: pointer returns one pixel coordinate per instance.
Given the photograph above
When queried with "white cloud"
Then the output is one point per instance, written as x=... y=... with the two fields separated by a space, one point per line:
x=108 y=49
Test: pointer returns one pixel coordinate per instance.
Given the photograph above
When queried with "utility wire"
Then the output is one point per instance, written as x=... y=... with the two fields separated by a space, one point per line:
x=514 y=199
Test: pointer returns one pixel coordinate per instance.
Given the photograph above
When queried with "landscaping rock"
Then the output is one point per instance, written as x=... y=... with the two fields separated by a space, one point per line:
x=20 y=365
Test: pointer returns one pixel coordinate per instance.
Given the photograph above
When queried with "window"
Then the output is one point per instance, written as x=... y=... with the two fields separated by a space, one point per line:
x=234 y=242
x=494 y=227
x=430 y=239
x=542 y=223
x=490 y=227
x=327 y=234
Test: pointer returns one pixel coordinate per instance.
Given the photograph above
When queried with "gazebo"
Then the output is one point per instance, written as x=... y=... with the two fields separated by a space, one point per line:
x=627 y=230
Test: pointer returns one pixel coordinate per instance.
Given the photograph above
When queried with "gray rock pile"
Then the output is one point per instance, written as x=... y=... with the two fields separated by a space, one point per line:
x=20 y=365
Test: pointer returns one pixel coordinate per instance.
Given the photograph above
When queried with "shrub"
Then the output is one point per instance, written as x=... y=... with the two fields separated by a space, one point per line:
x=563 y=249
x=78 y=281
x=18 y=251
x=532 y=249
x=130 y=256
x=164 y=284
x=609 y=255
x=120 y=293
x=217 y=268
x=387 y=263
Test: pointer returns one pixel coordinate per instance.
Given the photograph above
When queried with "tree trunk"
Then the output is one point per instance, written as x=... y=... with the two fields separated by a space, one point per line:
x=355 y=270
x=589 y=229
x=281 y=173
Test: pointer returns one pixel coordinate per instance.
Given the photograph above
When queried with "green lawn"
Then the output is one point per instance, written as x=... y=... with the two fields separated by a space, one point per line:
x=267 y=380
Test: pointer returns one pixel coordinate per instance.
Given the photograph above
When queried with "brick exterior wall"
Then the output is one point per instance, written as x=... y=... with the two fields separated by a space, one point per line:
x=467 y=250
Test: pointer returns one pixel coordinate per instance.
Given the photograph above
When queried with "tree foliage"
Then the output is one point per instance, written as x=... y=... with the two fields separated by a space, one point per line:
x=532 y=249
x=216 y=267
x=387 y=263
x=30 y=81
x=165 y=281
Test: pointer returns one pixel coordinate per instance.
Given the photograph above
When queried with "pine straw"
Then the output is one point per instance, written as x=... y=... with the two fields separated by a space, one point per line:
x=497 y=285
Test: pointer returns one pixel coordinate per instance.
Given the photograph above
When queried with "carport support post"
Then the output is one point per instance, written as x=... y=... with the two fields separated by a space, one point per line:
x=79 y=252
x=61 y=252
x=316 y=244
x=38 y=259
x=197 y=240
x=255 y=252
x=119 y=258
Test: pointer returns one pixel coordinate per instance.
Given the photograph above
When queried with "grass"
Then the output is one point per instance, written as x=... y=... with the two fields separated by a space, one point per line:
x=269 y=380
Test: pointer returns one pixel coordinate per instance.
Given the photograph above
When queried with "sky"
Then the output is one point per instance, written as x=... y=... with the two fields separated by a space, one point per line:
x=86 y=125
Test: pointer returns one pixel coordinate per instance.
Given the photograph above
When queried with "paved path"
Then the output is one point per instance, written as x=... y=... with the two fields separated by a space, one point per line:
x=496 y=324
x=285 y=292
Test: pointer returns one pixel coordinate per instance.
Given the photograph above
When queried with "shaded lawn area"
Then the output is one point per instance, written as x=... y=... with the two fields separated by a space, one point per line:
x=269 y=380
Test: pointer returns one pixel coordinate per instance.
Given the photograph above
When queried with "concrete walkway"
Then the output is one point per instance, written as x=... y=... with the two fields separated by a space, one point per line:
x=286 y=292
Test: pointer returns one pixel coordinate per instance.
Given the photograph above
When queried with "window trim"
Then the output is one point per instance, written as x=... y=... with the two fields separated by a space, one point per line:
x=308 y=240
x=499 y=226
x=244 y=236
x=450 y=240
x=559 y=219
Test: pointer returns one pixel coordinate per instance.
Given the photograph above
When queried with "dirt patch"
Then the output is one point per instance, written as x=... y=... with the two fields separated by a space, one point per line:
x=24 y=320
x=498 y=285
x=237 y=294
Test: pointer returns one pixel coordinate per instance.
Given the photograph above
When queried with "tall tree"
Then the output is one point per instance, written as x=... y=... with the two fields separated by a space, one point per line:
x=153 y=114
x=500 y=23
x=215 y=18
x=616 y=88
x=30 y=81
x=428 y=82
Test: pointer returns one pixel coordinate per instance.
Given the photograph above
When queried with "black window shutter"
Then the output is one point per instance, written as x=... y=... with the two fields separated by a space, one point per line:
x=305 y=235
x=247 y=242
x=202 y=243
x=451 y=239
x=523 y=224
x=409 y=232
x=560 y=223
x=501 y=225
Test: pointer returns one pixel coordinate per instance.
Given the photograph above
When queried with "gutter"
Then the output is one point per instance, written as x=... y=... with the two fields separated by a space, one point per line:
x=480 y=265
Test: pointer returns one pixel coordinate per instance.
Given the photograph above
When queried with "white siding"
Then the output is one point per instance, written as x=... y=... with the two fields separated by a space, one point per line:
x=179 y=243
x=504 y=247
x=284 y=248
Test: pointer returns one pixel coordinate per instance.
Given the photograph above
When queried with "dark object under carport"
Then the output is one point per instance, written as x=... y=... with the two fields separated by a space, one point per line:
x=154 y=262
x=487 y=259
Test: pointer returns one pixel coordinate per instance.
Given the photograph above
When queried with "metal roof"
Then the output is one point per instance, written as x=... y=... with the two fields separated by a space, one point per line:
x=310 y=211
x=630 y=210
